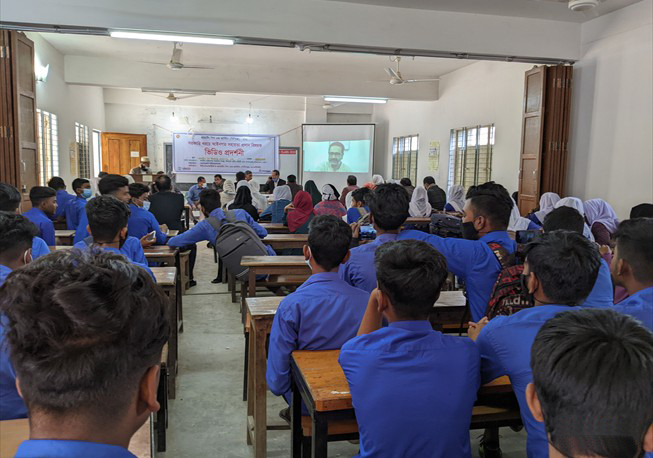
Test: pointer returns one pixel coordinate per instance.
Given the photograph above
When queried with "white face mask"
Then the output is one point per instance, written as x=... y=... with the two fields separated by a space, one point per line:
x=27 y=256
x=308 y=261
x=146 y=205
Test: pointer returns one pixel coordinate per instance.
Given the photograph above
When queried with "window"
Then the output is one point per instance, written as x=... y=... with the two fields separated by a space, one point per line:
x=404 y=157
x=83 y=156
x=48 y=145
x=470 y=155
x=97 y=152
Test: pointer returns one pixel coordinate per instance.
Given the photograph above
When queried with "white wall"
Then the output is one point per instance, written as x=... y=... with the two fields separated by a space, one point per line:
x=71 y=103
x=611 y=142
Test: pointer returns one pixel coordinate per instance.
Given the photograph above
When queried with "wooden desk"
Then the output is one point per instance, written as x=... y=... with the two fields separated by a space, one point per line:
x=64 y=236
x=170 y=255
x=418 y=220
x=272 y=265
x=186 y=214
x=60 y=247
x=284 y=241
x=166 y=278
x=14 y=432
x=319 y=381
x=173 y=232
x=275 y=228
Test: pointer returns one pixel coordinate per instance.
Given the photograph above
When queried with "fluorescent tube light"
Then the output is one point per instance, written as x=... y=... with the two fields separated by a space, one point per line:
x=333 y=98
x=175 y=38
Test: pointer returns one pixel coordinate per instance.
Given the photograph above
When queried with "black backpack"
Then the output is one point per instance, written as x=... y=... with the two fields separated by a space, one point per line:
x=446 y=225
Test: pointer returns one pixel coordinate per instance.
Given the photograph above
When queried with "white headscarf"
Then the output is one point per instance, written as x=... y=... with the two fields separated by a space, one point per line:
x=419 y=203
x=576 y=203
x=517 y=222
x=377 y=180
x=599 y=211
x=329 y=192
x=457 y=197
x=282 y=193
x=259 y=202
x=228 y=193
x=547 y=202
x=349 y=200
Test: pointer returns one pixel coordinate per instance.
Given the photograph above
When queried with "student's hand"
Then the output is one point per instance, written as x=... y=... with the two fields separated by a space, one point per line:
x=145 y=242
x=356 y=230
x=604 y=249
x=475 y=328
x=164 y=228
x=288 y=207
x=373 y=318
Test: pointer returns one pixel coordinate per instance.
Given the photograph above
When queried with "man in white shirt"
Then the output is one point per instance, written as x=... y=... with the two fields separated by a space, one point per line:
x=334 y=164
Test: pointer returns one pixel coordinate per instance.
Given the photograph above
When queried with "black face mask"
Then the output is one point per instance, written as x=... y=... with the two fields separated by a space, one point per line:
x=469 y=231
x=530 y=297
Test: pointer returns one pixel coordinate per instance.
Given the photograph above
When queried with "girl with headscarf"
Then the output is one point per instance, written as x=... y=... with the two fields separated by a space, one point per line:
x=456 y=200
x=577 y=204
x=419 y=206
x=228 y=193
x=602 y=220
x=259 y=202
x=243 y=201
x=282 y=196
x=518 y=222
x=547 y=202
x=299 y=214
x=377 y=180
x=330 y=204
x=311 y=188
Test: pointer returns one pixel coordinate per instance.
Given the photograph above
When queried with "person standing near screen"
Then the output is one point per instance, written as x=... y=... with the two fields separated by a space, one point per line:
x=334 y=164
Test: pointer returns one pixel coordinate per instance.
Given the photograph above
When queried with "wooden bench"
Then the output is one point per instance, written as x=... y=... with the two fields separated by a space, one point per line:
x=64 y=236
x=166 y=278
x=169 y=255
x=285 y=241
x=275 y=228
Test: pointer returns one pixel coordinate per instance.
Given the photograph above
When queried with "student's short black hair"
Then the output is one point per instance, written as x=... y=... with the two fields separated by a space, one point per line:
x=275 y=171
x=83 y=327
x=492 y=201
x=102 y=174
x=240 y=176
x=248 y=172
x=111 y=183
x=361 y=195
x=405 y=182
x=200 y=179
x=564 y=218
x=329 y=238
x=515 y=197
x=217 y=175
x=9 y=198
x=39 y=193
x=56 y=183
x=642 y=211
x=164 y=183
x=339 y=145
x=411 y=273
x=352 y=180
x=592 y=371
x=566 y=264
x=429 y=180
x=106 y=217
x=138 y=189
x=292 y=179
x=210 y=199
x=389 y=206
x=16 y=234
x=634 y=239
x=79 y=182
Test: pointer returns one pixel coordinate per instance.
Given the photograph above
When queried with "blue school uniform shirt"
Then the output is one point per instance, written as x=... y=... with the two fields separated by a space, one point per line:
x=275 y=210
x=354 y=214
x=322 y=314
x=413 y=390
x=602 y=294
x=204 y=231
x=74 y=211
x=359 y=270
x=70 y=449
x=143 y=222
x=63 y=199
x=131 y=249
x=471 y=260
x=505 y=345
x=43 y=223
x=39 y=248
x=639 y=306
x=193 y=195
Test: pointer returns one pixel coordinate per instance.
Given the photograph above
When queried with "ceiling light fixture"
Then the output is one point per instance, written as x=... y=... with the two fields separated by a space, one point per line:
x=41 y=72
x=334 y=98
x=176 y=38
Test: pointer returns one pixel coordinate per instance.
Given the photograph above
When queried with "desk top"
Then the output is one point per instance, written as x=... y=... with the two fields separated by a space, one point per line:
x=64 y=232
x=61 y=247
x=286 y=238
x=159 y=250
x=165 y=276
x=269 y=261
x=273 y=226
x=173 y=232
x=417 y=220
x=14 y=432
x=328 y=386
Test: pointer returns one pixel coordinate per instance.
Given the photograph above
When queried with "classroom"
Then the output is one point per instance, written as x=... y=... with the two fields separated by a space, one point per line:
x=326 y=228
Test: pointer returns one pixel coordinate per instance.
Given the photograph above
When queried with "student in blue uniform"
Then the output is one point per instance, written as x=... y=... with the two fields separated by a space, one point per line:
x=141 y=221
x=559 y=272
x=86 y=334
x=10 y=202
x=413 y=388
x=324 y=312
x=107 y=221
x=388 y=205
x=75 y=208
x=592 y=373
x=63 y=198
x=632 y=268
x=569 y=219
x=359 y=206
x=486 y=216
x=44 y=206
x=193 y=195
x=16 y=233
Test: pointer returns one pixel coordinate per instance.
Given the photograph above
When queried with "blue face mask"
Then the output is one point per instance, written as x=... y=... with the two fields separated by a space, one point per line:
x=146 y=205
x=87 y=193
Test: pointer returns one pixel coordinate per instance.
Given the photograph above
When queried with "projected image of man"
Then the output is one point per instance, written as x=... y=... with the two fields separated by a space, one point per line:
x=335 y=163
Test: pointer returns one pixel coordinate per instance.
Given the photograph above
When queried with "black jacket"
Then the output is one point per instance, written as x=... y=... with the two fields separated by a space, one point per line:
x=269 y=185
x=167 y=208
x=437 y=197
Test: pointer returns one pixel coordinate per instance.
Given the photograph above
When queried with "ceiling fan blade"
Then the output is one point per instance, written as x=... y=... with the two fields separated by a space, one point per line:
x=426 y=80
x=152 y=63
x=199 y=67
x=187 y=96
x=393 y=73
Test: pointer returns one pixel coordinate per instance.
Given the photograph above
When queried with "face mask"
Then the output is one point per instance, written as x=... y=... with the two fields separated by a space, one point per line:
x=27 y=256
x=530 y=297
x=469 y=231
x=146 y=205
x=308 y=261
x=87 y=193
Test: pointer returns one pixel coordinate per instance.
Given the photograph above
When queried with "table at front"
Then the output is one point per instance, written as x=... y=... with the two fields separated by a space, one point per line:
x=64 y=236
x=284 y=241
x=166 y=278
x=261 y=312
x=14 y=432
x=319 y=381
x=272 y=265
x=275 y=228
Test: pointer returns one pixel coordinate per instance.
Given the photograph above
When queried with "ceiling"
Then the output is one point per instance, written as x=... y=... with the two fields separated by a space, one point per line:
x=555 y=10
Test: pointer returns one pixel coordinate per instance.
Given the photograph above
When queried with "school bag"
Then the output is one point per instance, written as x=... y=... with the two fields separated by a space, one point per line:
x=236 y=239
x=446 y=225
x=507 y=297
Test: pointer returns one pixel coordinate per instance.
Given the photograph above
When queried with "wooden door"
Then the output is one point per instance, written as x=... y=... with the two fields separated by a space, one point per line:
x=9 y=159
x=532 y=136
x=122 y=152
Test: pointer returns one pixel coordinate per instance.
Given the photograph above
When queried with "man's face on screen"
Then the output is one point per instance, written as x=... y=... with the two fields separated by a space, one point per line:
x=335 y=156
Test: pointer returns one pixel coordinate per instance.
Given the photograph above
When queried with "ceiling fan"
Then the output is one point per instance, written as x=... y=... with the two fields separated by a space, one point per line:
x=581 y=6
x=397 y=78
x=175 y=60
